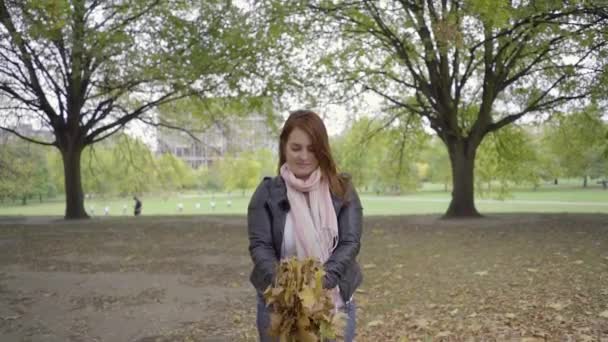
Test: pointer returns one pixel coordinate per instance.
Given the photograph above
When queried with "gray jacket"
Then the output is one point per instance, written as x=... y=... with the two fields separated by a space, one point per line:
x=266 y=216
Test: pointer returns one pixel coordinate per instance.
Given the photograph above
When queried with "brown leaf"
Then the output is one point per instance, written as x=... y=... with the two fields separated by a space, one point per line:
x=557 y=306
x=443 y=334
x=375 y=323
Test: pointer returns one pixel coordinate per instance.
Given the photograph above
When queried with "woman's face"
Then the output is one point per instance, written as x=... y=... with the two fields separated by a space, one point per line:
x=299 y=154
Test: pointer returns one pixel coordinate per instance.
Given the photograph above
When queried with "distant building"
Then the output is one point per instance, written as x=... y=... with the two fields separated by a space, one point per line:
x=234 y=135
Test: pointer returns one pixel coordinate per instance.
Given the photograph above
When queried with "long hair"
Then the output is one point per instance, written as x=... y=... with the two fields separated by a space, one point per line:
x=311 y=123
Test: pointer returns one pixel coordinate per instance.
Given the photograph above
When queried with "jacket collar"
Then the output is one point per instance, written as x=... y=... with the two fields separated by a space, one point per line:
x=278 y=196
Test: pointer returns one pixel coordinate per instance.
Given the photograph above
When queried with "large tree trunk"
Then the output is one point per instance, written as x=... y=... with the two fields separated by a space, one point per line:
x=462 y=159
x=74 y=197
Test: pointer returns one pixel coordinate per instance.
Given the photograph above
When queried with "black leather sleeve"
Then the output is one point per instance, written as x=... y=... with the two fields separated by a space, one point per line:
x=260 y=238
x=349 y=232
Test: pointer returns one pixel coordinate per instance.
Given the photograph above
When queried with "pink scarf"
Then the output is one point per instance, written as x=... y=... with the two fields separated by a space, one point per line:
x=315 y=229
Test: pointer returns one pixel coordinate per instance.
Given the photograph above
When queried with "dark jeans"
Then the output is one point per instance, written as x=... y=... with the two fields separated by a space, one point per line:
x=263 y=321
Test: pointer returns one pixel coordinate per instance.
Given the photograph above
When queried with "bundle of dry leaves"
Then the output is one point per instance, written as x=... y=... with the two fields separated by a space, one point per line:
x=301 y=310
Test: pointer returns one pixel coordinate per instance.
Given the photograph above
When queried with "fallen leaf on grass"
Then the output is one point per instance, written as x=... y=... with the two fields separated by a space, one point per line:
x=510 y=315
x=532 y=270
x=421 y=323
x=578 y=262
x=443 y=334
x=375 y=323
x=557 y=306
x=475 y=327
x=585 y=338
x=481 y=273
x=369 y=266
x=604 y=314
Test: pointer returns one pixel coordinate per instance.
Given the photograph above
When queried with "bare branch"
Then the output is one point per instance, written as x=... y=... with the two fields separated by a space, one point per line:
x=39 y=142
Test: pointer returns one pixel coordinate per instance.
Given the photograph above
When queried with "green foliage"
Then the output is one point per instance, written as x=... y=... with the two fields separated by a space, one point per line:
x=87 y=68
x=24 y=171
x=242 y=172
x=506 y=158
x=97 y=171
x=435 y=156
x=382 y=159
x=173 y=173
x=133 y=166
x=576 y=141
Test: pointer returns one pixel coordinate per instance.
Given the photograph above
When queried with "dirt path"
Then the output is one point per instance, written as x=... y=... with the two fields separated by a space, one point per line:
x=186 y=279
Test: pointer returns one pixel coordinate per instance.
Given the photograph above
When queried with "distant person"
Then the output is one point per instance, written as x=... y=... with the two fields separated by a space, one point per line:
x=180 y=207
x=307 y=210
x=137 y=206
x=106 y=211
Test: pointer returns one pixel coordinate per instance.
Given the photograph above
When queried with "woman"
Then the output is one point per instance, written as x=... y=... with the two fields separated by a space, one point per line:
x=308 y=210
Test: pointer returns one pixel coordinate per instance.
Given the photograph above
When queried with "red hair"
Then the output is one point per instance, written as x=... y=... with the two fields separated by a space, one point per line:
x=313 y=125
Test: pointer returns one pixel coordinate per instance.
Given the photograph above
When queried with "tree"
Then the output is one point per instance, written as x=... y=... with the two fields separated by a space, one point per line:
x=98 y=171
x=505 y=158
x=84 y=69
x=240 y=172
x=449 y=55
x=134 y=166
x=26 y=173
x=438 y=161
x=173 y=173
x=382 y=156
x=576 y=141
x=268 y=162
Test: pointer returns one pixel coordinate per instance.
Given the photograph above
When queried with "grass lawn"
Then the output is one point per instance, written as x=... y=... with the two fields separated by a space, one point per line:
x=506 y=277
x=546 y=199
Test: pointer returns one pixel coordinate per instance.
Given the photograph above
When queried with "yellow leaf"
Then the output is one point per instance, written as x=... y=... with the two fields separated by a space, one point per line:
x=307 y=298
x=303 y=322
x=306 y=336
